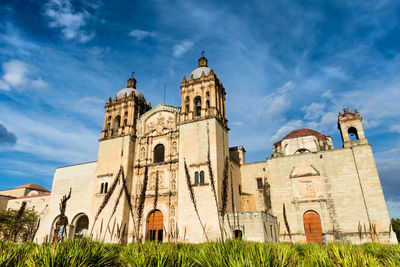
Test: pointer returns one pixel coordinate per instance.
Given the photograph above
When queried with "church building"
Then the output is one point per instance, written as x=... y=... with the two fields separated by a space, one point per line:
x=307 y=187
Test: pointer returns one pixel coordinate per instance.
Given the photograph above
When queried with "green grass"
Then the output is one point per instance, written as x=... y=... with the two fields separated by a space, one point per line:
x=83 y=252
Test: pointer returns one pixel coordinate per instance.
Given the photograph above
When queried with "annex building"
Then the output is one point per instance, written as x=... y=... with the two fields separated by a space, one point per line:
x=304 y=189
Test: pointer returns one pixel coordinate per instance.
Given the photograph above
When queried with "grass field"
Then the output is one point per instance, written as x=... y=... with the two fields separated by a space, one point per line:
x=83 y=252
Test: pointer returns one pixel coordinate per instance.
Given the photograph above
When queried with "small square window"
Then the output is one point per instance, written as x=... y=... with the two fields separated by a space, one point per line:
x=259 y=184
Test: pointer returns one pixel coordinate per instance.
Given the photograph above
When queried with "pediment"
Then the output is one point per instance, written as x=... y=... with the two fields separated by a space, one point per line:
x=160 y=120
x=303 y=170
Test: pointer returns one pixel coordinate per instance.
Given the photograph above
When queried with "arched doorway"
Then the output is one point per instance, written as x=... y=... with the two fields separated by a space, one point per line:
x=80 y=225
x=312 y=226
x=155 y=226
x=62 y=231
x=238 y=234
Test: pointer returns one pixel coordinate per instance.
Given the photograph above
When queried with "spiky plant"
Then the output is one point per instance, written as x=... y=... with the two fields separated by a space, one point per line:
x=235 y=225
x=286 y=222
x=267 y=196
x=224 y=195
x=129 y=201
x=106 y=199
x=62 y=219
x=192 y=197
x=121 y=191
x=20 y=213
x=142 y=197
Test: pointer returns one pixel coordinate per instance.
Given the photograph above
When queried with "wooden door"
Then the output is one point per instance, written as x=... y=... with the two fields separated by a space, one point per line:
x=312 y=227
x=155 y=226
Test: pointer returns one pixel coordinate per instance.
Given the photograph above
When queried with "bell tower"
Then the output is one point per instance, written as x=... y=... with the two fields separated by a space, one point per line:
x=123 y=111
x=203 y=95
x=202 y=129
x=351 y=128
x=117 y=148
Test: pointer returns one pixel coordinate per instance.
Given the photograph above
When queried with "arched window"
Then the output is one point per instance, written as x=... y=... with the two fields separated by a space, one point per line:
x=101 y=188
x=187 y=105
x=142 y=153
x=126 y=119
x=197 y=105
x=117 y=122
x=201 y=177
x=159 y=153
x=302 y=151
x=353 y=135
x=105 y=188
x=196 y=178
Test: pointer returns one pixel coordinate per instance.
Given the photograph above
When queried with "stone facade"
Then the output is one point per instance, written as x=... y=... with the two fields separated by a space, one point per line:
x=304 y=189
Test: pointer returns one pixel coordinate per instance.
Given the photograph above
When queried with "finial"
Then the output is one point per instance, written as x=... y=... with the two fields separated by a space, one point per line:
x=132 y=81
x=203 y=60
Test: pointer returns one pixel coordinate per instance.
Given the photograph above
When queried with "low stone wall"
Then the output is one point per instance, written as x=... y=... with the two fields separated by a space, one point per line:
x=252 y=225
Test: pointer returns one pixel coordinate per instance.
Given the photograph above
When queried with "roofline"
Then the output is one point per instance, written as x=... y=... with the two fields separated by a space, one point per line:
x=76 y=164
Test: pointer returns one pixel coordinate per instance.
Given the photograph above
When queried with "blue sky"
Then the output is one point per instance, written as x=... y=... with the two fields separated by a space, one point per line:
x=284 y=64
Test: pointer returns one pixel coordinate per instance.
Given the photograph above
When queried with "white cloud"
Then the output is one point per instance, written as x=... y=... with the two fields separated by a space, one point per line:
x=15 y=72
x=62 y=15
x=237 y=123
x=51 y=138
x=288 y=86
x=140 y=34
x=395 y=128
x=16 y=75
x=4 y=86
x=275 y=104
x=182 y=48
x=313 y=111
x=287 y=128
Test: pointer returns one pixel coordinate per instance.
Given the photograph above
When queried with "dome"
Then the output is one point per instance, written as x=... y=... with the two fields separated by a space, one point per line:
x=304 y=132
x=197 y=72
x=201 y=67
x=301 y=133
x=128 y=91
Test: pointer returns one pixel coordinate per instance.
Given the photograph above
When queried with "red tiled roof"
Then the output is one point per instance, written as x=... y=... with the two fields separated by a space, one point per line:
x=33 y=186
x=300 y=133
x=38 y=195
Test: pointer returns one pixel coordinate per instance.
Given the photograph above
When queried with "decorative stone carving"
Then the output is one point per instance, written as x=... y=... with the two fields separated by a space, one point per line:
x=152 y=184
x=174 y=148
x=160 y=126
x=143 y=153
x=173 y=185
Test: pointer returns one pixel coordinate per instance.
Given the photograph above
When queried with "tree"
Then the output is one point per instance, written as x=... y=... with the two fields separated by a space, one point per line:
x=24 y=230
x=396 y=227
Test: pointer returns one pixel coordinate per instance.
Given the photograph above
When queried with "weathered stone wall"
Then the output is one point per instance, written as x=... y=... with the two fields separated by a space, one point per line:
x=333 y=191
x=78 y=177
x=254 y=225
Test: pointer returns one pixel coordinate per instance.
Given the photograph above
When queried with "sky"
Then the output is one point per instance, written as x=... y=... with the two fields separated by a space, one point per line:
x=285 y=65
